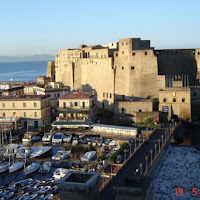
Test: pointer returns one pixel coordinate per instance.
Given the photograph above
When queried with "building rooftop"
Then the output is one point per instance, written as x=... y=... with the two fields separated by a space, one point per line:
x=30 y=84
x=27 y=97
x=78 y=95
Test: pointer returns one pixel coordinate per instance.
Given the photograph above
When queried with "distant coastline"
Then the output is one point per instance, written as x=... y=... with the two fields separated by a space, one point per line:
x=34 y=58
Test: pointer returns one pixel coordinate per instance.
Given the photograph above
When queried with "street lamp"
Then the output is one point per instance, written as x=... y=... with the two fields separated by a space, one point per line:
x=139 y=140
x=162 y=139
x=125 y=154
x=155 y=149
x=141 y=169
x=130 y=149
x=151 y=151
x=159 y=143
x=135 y=144
x=146 y=158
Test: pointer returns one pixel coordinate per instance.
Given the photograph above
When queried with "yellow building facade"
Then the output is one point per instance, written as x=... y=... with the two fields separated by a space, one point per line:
x=33 y=110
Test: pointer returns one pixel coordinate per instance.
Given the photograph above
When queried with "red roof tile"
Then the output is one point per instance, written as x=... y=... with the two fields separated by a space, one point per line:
x=78 y=95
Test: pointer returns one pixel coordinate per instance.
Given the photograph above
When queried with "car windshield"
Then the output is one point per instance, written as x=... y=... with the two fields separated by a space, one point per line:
x=58 y=136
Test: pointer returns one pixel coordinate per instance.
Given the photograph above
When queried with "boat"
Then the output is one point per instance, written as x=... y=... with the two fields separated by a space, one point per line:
x=45 y=167
x=24 y=196
x=84 y=141
x=90 y=155
x=67 y=138
x=94 y=142
x=75 y=141
x=32 y=168
x=99 y=142
x=40 y=151
x=35 y=138
x=47 y=137
x=24 y=182
x=4 y=167
x=44 y=189
x=16 y=166
x=28 y=137
x=58 y=138
x=80 y=135
x=32 y=196
x=59 y=173
x=61 y=155
x=24 y=152
x=40 y=197
x=112 y=143
x=48 y=197
x=11 y=150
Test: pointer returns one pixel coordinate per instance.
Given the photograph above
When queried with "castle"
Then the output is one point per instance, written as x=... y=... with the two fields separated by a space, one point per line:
x=128 y=70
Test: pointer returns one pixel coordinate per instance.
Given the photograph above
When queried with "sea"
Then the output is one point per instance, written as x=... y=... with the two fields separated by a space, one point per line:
x=22 y=71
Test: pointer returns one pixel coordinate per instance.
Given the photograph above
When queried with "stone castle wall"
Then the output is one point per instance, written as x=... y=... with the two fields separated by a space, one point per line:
x=123 y=70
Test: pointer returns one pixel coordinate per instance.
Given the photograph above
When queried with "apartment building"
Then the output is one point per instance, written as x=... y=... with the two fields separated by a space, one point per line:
x=33 y=110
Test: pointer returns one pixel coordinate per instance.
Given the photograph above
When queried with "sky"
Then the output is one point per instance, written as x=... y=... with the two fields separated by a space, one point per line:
x=29 y=27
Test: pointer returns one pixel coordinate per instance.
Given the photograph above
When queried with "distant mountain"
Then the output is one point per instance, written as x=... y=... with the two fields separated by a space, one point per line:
x=42 y=57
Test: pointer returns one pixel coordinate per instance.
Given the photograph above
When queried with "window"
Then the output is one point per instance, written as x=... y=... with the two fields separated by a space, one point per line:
x=24 y=105
x=104 y=95
x=116 y=54
x=122 y=67
x=71 y=104
x=183 y=100
x=145 y=53
x=174 y=100
x=58 y=94
x=122 y=44
x=24 y=114
x=133 y=54
x=35 y=104
x=4 y=114
x=123 y=110
x=64 y=104
x=140 y=110
x=75 y=103
x=132 y=67
x=110 y=95
x=122 y=52
x=3 y=105
x=13 y=105
x=35 y=114
x=164 y=100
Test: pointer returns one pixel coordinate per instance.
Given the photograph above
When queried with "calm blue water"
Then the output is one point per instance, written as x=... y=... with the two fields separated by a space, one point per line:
x=22 y=71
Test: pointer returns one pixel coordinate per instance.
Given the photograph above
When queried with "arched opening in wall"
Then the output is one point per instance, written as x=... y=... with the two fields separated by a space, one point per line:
x=85 y=55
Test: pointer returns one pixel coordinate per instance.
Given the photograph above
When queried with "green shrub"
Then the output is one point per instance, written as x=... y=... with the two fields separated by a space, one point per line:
x=113 y=157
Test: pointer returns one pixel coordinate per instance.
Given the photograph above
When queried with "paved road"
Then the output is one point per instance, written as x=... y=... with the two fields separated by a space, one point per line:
x=134 y=162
